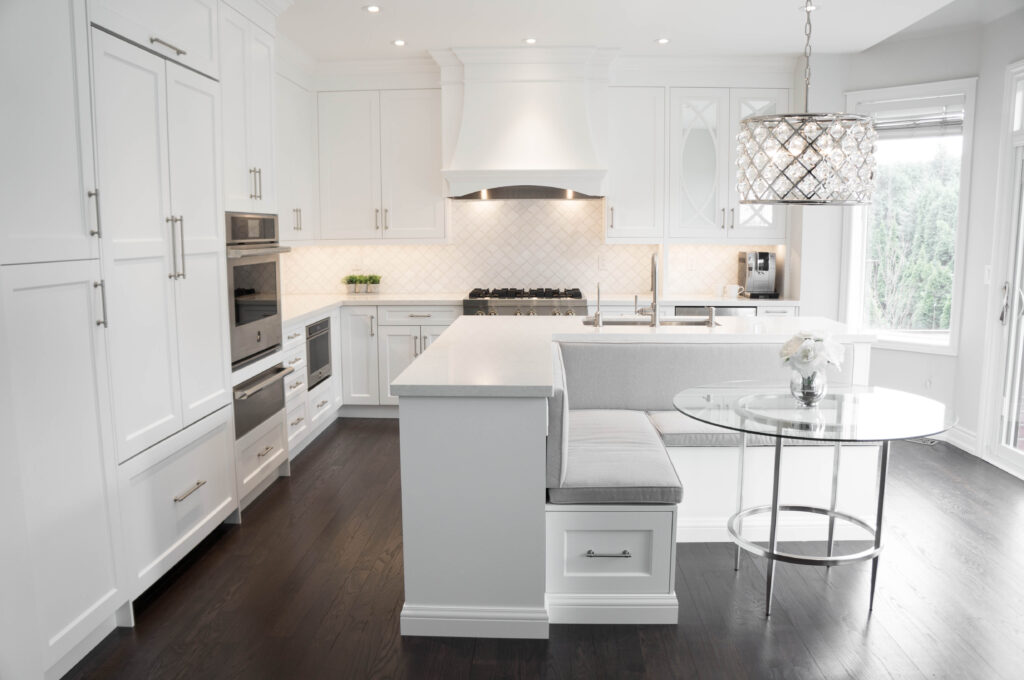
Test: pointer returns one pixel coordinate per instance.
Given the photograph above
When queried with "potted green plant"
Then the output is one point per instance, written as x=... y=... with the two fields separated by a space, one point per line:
x=351 y=282
x=373 y=283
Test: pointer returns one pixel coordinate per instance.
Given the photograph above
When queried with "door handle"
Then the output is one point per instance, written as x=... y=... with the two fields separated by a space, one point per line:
x=1006 y=303
x=611 y=219
x=174 y=248
x=181 y=239
x=98 y=231
x=386 y=225
x=371 y=325
x=252 y=173
x=376 y=218
x=259 y=175
x=415 y=346
x=295 y=220
x=1020 y=302
x=102 y=285
x=723 y=218
x=732 y=218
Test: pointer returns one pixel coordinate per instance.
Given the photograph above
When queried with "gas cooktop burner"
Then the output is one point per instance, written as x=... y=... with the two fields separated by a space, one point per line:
x=524 y=294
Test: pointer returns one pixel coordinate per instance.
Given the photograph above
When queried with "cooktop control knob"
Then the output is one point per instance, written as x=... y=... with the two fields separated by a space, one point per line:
x=492 y=313
x=533 y=312
x=570 y=313
x=479 y=312
x=556 y=312
x=518 y=313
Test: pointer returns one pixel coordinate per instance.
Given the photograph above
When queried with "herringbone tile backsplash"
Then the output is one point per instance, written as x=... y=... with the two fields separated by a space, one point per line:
x=514 y=243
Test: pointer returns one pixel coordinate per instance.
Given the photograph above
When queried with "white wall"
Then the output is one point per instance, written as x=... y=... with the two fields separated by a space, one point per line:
x=976 y=51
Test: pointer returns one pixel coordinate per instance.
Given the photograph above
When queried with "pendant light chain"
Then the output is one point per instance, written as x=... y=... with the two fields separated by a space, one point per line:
x=808 y=8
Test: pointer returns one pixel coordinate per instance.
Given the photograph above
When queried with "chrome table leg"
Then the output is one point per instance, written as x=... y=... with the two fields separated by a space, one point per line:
x=883 y=465
x=739 y=492
x=832 y=503
x=772 y=544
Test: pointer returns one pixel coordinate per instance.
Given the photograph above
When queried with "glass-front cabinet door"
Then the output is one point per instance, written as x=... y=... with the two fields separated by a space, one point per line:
x=699 y=156
x=758 y=222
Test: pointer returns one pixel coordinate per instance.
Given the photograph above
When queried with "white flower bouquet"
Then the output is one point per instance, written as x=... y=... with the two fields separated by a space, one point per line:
x=808 y=353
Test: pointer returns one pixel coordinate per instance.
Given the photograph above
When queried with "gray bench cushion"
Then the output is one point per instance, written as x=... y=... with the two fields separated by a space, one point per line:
x=615 y=457
x=558 y=419
x=679 y=430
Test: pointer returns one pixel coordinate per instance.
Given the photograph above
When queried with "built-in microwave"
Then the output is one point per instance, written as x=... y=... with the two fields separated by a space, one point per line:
x=318 y=352
x=254 y=286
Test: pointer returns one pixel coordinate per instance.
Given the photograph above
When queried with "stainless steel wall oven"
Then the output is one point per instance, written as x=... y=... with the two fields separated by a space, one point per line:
x=318 y=352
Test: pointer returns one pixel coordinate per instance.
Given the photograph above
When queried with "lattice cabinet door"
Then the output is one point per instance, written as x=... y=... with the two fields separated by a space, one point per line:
x=758 y=222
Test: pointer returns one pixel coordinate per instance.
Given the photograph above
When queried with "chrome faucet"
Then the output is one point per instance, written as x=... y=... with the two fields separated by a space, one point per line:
x=598 y=321
x=652 y=309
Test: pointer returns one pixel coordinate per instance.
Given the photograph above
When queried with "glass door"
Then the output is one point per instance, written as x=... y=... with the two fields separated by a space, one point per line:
x=1011 y=435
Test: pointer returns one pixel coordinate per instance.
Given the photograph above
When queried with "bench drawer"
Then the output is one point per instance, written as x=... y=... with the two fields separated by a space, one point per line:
x=416 y=316
x=585 y=550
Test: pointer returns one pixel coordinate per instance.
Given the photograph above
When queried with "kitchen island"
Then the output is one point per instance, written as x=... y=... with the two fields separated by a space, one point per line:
x=474 y=419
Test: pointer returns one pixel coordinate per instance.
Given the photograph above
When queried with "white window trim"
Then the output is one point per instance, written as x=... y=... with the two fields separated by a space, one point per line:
x=851 y=271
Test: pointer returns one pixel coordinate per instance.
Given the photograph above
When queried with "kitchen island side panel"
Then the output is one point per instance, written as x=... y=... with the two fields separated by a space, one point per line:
x=473 y=494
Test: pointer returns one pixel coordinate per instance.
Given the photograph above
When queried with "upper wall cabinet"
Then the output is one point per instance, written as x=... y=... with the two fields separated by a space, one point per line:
x=247 y=89
x=703 y=203
x=380 y=165
x=47 y=187
x=636 y=164
x=184 y=30
x=297 y=190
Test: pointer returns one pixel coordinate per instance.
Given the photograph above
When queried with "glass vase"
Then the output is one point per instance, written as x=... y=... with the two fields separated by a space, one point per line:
x=810 y=389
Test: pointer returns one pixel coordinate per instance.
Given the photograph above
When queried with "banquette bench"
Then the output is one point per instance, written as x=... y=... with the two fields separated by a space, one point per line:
x=621 y=460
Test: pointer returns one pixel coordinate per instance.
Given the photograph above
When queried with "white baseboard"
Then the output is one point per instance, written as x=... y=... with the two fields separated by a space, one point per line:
x=301 y=446
x=961 y=438
x=712 y=530
x=1007 y=462
x=476 y=622
x=357 y=411
x=78 y=652
x=613 y=609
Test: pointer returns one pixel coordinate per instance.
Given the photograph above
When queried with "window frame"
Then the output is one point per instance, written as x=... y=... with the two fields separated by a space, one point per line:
x=851 y=288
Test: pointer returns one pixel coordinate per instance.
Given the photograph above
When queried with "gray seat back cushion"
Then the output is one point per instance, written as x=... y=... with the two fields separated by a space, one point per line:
x=558 y=420
x=644 y=376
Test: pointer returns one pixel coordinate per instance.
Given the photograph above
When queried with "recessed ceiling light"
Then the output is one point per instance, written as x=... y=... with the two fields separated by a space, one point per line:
x=398 y=43
x=662 y=41
x=372 y=9
x=530 y=41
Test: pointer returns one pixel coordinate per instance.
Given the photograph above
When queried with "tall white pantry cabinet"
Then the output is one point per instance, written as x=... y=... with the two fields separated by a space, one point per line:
x=115 y=383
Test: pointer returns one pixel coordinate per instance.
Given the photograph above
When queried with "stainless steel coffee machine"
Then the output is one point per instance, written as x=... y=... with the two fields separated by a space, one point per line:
x=757 y=274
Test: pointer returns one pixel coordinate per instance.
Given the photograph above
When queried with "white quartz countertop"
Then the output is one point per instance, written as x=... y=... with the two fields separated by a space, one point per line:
x=507 y=356
x=690 y=299
x=294 y=307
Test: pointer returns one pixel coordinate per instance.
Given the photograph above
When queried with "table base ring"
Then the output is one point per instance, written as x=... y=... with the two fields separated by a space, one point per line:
x=836 y=560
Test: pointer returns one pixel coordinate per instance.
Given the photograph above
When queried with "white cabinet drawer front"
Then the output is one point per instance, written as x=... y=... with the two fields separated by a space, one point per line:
x=587 y=552
x=294 y=335
x=295 y=384
x=298 y=423
x=261 y=455
x=418 y=316
x=321 y=402
x=173 y=503
x=776 y=311
x=295 y=358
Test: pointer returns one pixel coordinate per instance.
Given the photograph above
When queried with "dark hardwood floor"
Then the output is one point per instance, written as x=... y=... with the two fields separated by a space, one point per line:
x=310 y=586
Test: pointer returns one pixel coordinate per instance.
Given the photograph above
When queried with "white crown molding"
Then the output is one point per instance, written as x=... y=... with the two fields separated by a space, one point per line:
x=374 y=74
x=766 y=71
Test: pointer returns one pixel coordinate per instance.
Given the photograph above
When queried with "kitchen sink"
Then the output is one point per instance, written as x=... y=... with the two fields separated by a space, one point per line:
x=646 y=321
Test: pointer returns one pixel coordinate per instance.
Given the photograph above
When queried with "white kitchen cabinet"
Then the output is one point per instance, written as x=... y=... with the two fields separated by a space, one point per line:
x=174 y=495
x=320 y=403
x=398 y=346
x=428 y=334
x=47 y=183
x=184 y=30
x=164 y=251
x=247 y=84
x=296 y=166
x=635 y=202
x=703 y=202
x=359 y=383
x=380 y=165
x=59 y=472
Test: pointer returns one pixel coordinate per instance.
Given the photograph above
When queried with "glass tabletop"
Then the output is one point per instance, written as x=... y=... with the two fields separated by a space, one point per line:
x=846 y=414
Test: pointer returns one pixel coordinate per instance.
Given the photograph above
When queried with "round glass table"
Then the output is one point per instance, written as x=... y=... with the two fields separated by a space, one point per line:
x=846 y=414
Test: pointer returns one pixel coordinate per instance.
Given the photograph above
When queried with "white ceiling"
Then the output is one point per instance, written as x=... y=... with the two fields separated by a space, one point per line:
x=963 y=13
x=342 y=30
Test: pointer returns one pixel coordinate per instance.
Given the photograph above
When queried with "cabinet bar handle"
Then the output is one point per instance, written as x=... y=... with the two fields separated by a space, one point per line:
x=371 y=325
x=420 y=316
x=415 y=346
x=252 y=173
x=181 y=238
x=624 y=553
x=259 y=176
x=723 y=218
x=732 y=218
x=102 y=285
x=292 y=336
x=386 y=225
x=296 y=421
x=376 y=218
x=322 y=404
x=295 y=219
x=297 y=383
x=611 y=222
x=294 y=361
x=198 y=485
x=174 y=248
x=265 y=452
x=98 y=231
x=177 y=50
x=300 y=218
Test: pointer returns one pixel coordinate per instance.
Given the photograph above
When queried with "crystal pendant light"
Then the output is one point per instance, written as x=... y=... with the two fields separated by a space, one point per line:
x=806 y=158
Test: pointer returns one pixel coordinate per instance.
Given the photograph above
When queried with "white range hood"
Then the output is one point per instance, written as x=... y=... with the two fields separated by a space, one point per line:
x=524 y=116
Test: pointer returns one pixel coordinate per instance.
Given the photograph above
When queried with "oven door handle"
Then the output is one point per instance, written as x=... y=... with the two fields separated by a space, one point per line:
x=239 y=253
x=241 y=395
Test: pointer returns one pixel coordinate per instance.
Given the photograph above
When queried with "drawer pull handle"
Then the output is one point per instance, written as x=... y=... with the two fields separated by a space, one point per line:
x=322 y=404
x=297 y=421
x=294 y=361
x=292 y=336
x=199 y=484
x=265 y=452
x=624 y=553
x=420 y=316
x=297 y=383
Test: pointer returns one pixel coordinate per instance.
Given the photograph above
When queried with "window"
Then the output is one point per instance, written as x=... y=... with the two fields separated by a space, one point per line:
x=905 y=250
